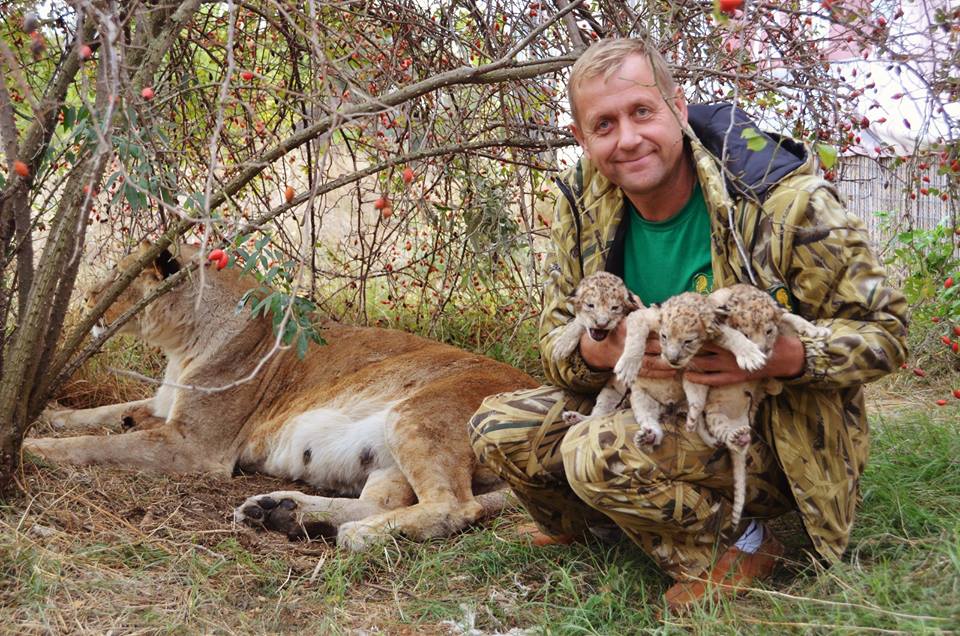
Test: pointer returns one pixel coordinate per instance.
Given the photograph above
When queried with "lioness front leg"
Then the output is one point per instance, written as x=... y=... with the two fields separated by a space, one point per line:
x=109 y=416
x=165 y=449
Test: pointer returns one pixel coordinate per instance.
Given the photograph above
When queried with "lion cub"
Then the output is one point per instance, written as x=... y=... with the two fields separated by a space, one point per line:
x=600 y=302
x=739 y=314
x=684 y=322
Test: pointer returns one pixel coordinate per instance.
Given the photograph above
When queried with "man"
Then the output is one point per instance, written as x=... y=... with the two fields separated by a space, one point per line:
x=650 y=201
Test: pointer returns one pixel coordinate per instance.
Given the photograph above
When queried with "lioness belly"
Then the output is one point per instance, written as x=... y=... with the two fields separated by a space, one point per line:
x=333 y=449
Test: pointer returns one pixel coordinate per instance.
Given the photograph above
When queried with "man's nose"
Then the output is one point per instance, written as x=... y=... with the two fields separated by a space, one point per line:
x=631 y=134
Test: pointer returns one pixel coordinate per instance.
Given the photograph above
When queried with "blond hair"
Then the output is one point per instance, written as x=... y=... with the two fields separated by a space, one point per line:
x=603 y=58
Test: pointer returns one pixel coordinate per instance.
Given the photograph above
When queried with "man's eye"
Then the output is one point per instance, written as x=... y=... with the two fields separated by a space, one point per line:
x=643 y=111
x=602 y=125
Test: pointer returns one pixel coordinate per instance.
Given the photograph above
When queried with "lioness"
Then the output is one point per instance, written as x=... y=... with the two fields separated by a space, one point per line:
x=377 y=417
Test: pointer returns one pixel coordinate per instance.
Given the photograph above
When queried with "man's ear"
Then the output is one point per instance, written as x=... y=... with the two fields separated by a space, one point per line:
x=679 y=104
x=578 y=135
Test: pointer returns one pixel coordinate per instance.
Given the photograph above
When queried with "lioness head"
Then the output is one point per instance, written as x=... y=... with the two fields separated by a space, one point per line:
x=166 y=264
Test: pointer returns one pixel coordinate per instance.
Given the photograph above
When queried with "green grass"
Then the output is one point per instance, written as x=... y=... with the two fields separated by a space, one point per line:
x=901 y=574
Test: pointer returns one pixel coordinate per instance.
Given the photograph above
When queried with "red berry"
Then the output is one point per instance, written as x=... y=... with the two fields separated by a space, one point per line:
x=919 y=372
x=956 y=393
x=386 y=212
x=935 y=319
x=380 y=203
x=215 y=255
x=246 y=75
x=956 y=330
x=956 y=347
x=946 y=340
x=288 y=194
x=147 y=93
x=941 y=402
x=947 y=284
x=729 y=6
x=21 y=168
x=222 y=262
x=86 y=52
x=903 y=366
x=407 y=175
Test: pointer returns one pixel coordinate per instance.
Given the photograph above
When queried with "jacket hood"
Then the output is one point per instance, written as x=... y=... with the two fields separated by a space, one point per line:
x=753 y=172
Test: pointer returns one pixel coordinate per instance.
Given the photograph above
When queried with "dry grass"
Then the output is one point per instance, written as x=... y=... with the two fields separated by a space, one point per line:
x=96 y=550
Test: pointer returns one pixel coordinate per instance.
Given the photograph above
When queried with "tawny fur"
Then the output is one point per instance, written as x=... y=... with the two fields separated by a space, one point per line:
x=684 y=322
x=747 y=321
x=376 y=416
x=600 y=302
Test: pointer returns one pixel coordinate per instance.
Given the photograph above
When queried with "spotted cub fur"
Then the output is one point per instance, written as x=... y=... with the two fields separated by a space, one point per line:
x=600 y=302
x=747 y=321
x=684 y=322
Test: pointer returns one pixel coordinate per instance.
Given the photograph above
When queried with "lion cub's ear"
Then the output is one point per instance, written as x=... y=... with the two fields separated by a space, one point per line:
x=633 y=303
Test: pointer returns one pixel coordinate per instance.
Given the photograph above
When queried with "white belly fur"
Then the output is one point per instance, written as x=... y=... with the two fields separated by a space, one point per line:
x=346 y=445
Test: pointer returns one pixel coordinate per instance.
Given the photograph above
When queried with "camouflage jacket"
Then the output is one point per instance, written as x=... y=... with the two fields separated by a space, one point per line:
x=800 y=243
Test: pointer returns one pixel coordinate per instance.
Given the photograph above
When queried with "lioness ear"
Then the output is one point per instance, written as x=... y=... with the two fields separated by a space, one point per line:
x=144 y=247
x=166 y=264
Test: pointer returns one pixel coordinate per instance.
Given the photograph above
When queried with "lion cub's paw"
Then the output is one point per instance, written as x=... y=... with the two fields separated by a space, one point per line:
x=648 y=436
x=627 y=369
x=572 y=417
x=751 y=359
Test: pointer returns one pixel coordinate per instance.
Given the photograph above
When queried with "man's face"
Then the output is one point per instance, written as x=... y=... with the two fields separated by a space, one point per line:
x=629 y=131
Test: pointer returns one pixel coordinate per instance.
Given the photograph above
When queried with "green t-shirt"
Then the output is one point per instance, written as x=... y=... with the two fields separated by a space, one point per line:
x=664 y=258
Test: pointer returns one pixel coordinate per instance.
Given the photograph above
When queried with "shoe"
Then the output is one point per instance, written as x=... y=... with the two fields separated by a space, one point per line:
x=539 y=538
x=733 y=571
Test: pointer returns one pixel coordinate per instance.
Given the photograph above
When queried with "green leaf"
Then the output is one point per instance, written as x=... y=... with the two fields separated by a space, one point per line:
x=303 y=341
x=827 y=154
x=756 y=140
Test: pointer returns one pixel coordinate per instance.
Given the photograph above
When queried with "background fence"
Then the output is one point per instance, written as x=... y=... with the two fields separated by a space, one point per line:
x=879 y=194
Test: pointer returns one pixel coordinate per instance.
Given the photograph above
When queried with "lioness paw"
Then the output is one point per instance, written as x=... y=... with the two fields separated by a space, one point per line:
x=357 y=536
x=55 y=416
x=279 y=511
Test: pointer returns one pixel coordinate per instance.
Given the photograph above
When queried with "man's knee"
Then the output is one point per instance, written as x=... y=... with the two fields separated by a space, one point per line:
x=599 y=458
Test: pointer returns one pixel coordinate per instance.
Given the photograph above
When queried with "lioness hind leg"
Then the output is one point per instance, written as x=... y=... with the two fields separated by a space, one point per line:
x=428 y=440
x=302 y=516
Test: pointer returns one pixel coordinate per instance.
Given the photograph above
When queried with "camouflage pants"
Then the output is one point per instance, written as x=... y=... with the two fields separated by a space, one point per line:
x=674 y=501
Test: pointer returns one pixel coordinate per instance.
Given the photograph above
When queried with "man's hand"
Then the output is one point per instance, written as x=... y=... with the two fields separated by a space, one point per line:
x=603 y=355
x=715 y=366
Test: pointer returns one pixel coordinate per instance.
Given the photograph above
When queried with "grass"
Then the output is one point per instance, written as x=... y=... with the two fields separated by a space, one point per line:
x=92 y=550
x=95 y=550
